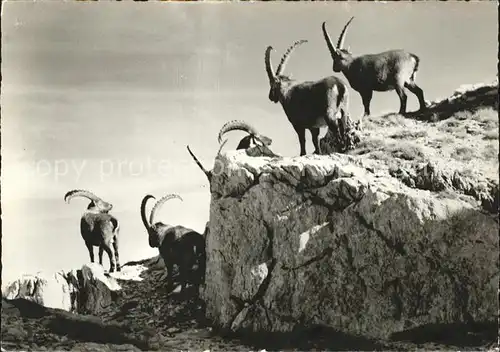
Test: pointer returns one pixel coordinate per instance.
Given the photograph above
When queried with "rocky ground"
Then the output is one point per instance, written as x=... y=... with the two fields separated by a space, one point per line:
x=144 y=317
x=452 y=147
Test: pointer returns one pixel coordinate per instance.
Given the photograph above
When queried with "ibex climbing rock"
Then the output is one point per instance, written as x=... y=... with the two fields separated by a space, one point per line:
x=386 y=71
x=98 y=228
x=245 y=143
x=255 y=144
x=309 y=105
x=177 y=245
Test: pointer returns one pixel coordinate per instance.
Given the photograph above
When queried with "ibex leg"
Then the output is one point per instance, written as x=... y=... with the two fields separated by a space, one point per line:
x=117 y=256
x=412 y=87
x=402 y=98
x=366 y=97
x=170 y=275
x=185 y=270
x=90 y=248
x=107 y=248
x=315 y=137
x=101 y=251
x=301 y=133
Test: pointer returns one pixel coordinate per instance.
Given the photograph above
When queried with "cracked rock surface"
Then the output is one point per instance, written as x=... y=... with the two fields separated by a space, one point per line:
x=325 y=240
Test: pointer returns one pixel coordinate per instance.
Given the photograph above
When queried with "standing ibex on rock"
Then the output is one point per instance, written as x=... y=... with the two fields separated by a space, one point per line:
x=177 y=245
x=308 y=105
x=98 y=227
x=389 y=70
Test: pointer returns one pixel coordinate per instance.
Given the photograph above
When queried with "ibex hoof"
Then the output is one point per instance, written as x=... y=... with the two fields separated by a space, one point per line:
x=112 y=269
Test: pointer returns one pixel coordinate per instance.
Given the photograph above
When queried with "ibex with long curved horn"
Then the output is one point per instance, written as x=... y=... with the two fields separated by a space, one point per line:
x=253 y=136
x=98 y=228
x=308 y=105
x=177 y=245
x=389 y=70
x=255 y=144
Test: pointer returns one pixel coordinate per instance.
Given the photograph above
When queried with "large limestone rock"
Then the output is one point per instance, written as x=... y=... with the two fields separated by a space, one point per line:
x=55 y=290
x=86 y=291
x=322 y=240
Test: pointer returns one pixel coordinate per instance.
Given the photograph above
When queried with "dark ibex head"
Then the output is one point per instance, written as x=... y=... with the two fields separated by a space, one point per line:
x=340 y=55
x=96 y=204
x=276 y=80
x=159 y=204
x=154 y=239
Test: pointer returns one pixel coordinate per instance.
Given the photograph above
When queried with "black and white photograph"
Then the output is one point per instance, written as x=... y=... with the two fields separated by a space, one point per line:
x=249 y=175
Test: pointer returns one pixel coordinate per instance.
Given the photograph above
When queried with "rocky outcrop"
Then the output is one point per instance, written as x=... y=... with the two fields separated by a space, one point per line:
x=441 y=177
x=323 y=240
x=86 y=291
x=454 y=150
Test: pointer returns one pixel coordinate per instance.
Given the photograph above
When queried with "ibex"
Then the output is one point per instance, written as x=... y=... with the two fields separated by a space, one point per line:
x=98 y=227
x=177 y=245
x=246 y=142
x=255 y=144
x=308 y=105
x=389 y=70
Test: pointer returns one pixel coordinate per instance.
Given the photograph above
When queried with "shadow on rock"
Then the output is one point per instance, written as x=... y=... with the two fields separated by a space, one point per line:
x=313 y=338
x=91 y=329
x=464 y=335
x=24 y=308
x=80 y=328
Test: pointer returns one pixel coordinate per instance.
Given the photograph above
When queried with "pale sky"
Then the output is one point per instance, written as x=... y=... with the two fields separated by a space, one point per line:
x=105 y=96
